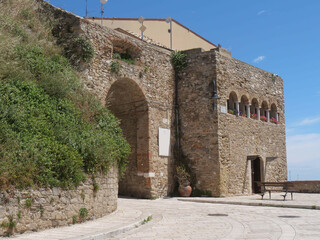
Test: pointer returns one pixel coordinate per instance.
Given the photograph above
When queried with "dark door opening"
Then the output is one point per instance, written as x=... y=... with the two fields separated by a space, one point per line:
x=256 y=175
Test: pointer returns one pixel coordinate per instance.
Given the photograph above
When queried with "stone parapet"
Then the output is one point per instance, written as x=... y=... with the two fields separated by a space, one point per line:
x=41 y=208
x=306 y=186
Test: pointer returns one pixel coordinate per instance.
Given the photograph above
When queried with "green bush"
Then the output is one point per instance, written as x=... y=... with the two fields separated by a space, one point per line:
x=79 y=49
x=83 y=213
x=178 y=60
x=10 y=225
x=52 y=132
x=115 y=67
x=45 y=141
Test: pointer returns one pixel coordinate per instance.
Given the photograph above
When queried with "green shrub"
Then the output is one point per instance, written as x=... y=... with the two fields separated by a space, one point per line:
x=74 y=219
x=79 y=49
x=9 y=225
x=96 y=187
x=29 y=202
x=19 y=214
x=52 y=132
x=178 y=60
x=83 y=213
x=115 y=67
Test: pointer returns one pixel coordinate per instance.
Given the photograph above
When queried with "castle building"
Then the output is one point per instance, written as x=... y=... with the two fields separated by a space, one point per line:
x=227 y=115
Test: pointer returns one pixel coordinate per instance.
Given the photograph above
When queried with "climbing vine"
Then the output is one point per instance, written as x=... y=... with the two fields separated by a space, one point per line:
x=178 y=61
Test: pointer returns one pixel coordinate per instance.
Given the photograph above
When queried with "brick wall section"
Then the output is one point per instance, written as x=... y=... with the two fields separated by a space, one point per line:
x=59 y=206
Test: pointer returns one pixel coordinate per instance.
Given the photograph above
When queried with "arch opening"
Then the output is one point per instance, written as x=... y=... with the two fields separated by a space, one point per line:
x=254 y=108
x=244 y=103
x=127 y=102
x=232 y=103
x=274 y=117
x=264 y=111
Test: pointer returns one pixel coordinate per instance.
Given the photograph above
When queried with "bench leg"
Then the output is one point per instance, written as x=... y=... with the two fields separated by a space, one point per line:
x=284 y=196
x=269 y=194
x=291 y=195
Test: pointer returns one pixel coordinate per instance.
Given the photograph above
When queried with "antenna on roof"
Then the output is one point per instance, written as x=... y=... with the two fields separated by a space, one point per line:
x=101 y=7
x=142 y=28
x=86 y=8
x=169 y=20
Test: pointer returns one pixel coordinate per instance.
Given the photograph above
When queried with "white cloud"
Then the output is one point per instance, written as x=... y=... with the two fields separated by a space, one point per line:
x=303 y=148
x=308 y=121
x=259 y=59
x=261 y=12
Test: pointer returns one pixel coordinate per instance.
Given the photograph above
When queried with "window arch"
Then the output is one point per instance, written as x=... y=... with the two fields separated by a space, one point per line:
x=264 y=111
x=254 y=108
x=243 y=106
x=274 y=116
x=232 y=103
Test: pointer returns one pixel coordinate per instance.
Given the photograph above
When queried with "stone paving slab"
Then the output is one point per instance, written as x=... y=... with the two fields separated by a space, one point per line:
x=300 y=200
x=190 y=220
x=174 y=219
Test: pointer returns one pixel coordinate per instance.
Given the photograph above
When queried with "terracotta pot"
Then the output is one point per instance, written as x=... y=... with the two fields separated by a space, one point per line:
x=185 y=191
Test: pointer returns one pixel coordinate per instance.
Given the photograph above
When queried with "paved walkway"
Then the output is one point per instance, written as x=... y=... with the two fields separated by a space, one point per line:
x=300 y=200
x=174 y=219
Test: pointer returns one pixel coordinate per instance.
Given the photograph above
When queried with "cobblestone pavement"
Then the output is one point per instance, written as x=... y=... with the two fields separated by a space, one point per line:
x=174 y=219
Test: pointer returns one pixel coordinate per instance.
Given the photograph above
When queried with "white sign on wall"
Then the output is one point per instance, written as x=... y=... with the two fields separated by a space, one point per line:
x=223 y=109
x=164 y=142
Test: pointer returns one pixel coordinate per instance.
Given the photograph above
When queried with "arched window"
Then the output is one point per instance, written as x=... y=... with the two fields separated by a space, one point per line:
x=232 y=103
x=263 y=112
x=274 y=117
x=254 y=108
x=243 y=106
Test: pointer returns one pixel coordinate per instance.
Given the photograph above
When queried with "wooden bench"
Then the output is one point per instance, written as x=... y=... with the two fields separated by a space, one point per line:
x=276 y=187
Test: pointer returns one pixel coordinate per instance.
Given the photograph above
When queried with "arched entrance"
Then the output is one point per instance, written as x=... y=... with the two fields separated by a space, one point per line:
x=127 y=102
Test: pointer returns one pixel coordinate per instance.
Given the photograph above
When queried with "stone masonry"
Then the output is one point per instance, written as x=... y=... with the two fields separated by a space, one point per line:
x=140 y=95
x=220 y=135
x=231 y=113
x=219 y=98
x=231 y=117
x=35 y=209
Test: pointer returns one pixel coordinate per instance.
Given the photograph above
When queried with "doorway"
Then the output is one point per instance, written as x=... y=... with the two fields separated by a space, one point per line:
x=127 y=102
x=255 y=174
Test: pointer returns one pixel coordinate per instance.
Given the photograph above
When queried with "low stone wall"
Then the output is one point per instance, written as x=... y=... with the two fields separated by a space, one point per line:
x=306 y=186
x=37 y=209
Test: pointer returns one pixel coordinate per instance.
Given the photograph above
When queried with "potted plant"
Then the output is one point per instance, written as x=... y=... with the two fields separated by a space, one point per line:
x=263 y=118
x=254 y=116
x=183 y=178
x=273 y=120
x=231 y=111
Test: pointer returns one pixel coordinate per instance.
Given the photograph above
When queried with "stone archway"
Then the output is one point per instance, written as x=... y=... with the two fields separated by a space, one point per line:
x=127 y=102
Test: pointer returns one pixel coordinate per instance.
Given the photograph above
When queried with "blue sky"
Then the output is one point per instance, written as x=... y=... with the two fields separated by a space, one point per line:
x=279 y=36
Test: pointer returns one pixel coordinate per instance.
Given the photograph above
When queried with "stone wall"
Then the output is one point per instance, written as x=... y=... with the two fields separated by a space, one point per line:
x=243 y=137
x=150 y=80
x=306 y=186
x=220 y=146
x=198 y=120
x=36 y=209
